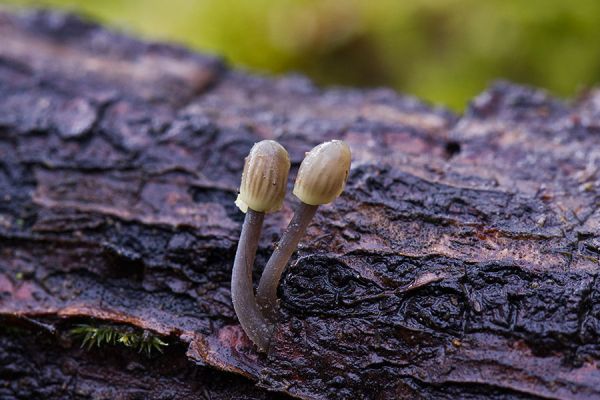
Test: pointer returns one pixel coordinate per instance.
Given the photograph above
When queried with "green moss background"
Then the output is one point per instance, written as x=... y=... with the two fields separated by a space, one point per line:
x=444 y=51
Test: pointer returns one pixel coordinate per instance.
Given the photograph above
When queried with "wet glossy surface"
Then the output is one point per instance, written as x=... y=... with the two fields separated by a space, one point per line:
x=459 y=262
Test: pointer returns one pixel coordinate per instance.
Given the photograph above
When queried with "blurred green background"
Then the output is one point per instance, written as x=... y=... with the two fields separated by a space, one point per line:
x=444 y=51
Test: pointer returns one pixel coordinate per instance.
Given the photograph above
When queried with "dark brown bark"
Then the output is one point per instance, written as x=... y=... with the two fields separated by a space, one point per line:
x=460 y=262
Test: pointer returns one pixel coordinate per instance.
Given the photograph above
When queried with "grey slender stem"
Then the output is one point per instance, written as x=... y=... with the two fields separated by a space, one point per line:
x=242 y=292
x=267 y=288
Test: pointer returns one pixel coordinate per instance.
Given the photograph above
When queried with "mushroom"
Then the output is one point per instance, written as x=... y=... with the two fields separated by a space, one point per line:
x=321 y=179
x=262 y=190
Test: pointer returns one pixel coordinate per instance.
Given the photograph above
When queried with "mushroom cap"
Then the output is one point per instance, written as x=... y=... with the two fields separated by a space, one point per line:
x=323 y=173
x=264 y=177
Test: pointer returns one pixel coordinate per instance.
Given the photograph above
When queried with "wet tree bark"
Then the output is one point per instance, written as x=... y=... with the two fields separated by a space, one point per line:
x=460 y=262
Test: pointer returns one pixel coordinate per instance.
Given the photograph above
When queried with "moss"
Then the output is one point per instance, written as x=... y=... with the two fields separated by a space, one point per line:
x=101 y=335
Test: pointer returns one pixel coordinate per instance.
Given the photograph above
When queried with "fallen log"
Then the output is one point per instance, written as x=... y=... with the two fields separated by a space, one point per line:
x=461 y=261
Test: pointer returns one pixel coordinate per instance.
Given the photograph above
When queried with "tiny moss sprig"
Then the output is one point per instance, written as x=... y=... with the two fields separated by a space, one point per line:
x=98 y=336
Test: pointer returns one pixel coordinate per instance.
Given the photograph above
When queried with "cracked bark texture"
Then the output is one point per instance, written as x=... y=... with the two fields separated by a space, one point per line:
x=460 y=262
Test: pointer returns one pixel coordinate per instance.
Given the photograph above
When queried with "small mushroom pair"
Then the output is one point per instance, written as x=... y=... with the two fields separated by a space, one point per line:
x=320 y=180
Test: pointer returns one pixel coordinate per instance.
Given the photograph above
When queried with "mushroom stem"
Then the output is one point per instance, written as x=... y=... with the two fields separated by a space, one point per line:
x=269 y=281
x=242 y=292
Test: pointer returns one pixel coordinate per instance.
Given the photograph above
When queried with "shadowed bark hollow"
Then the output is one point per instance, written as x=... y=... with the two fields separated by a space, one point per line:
x=460 y=262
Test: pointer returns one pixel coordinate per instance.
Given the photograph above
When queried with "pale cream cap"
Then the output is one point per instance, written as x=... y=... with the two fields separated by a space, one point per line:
x=264 y=178
x=323 y=173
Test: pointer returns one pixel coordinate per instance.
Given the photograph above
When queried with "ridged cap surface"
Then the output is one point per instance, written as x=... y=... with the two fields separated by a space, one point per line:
x=323 y=173
x=264 y=178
